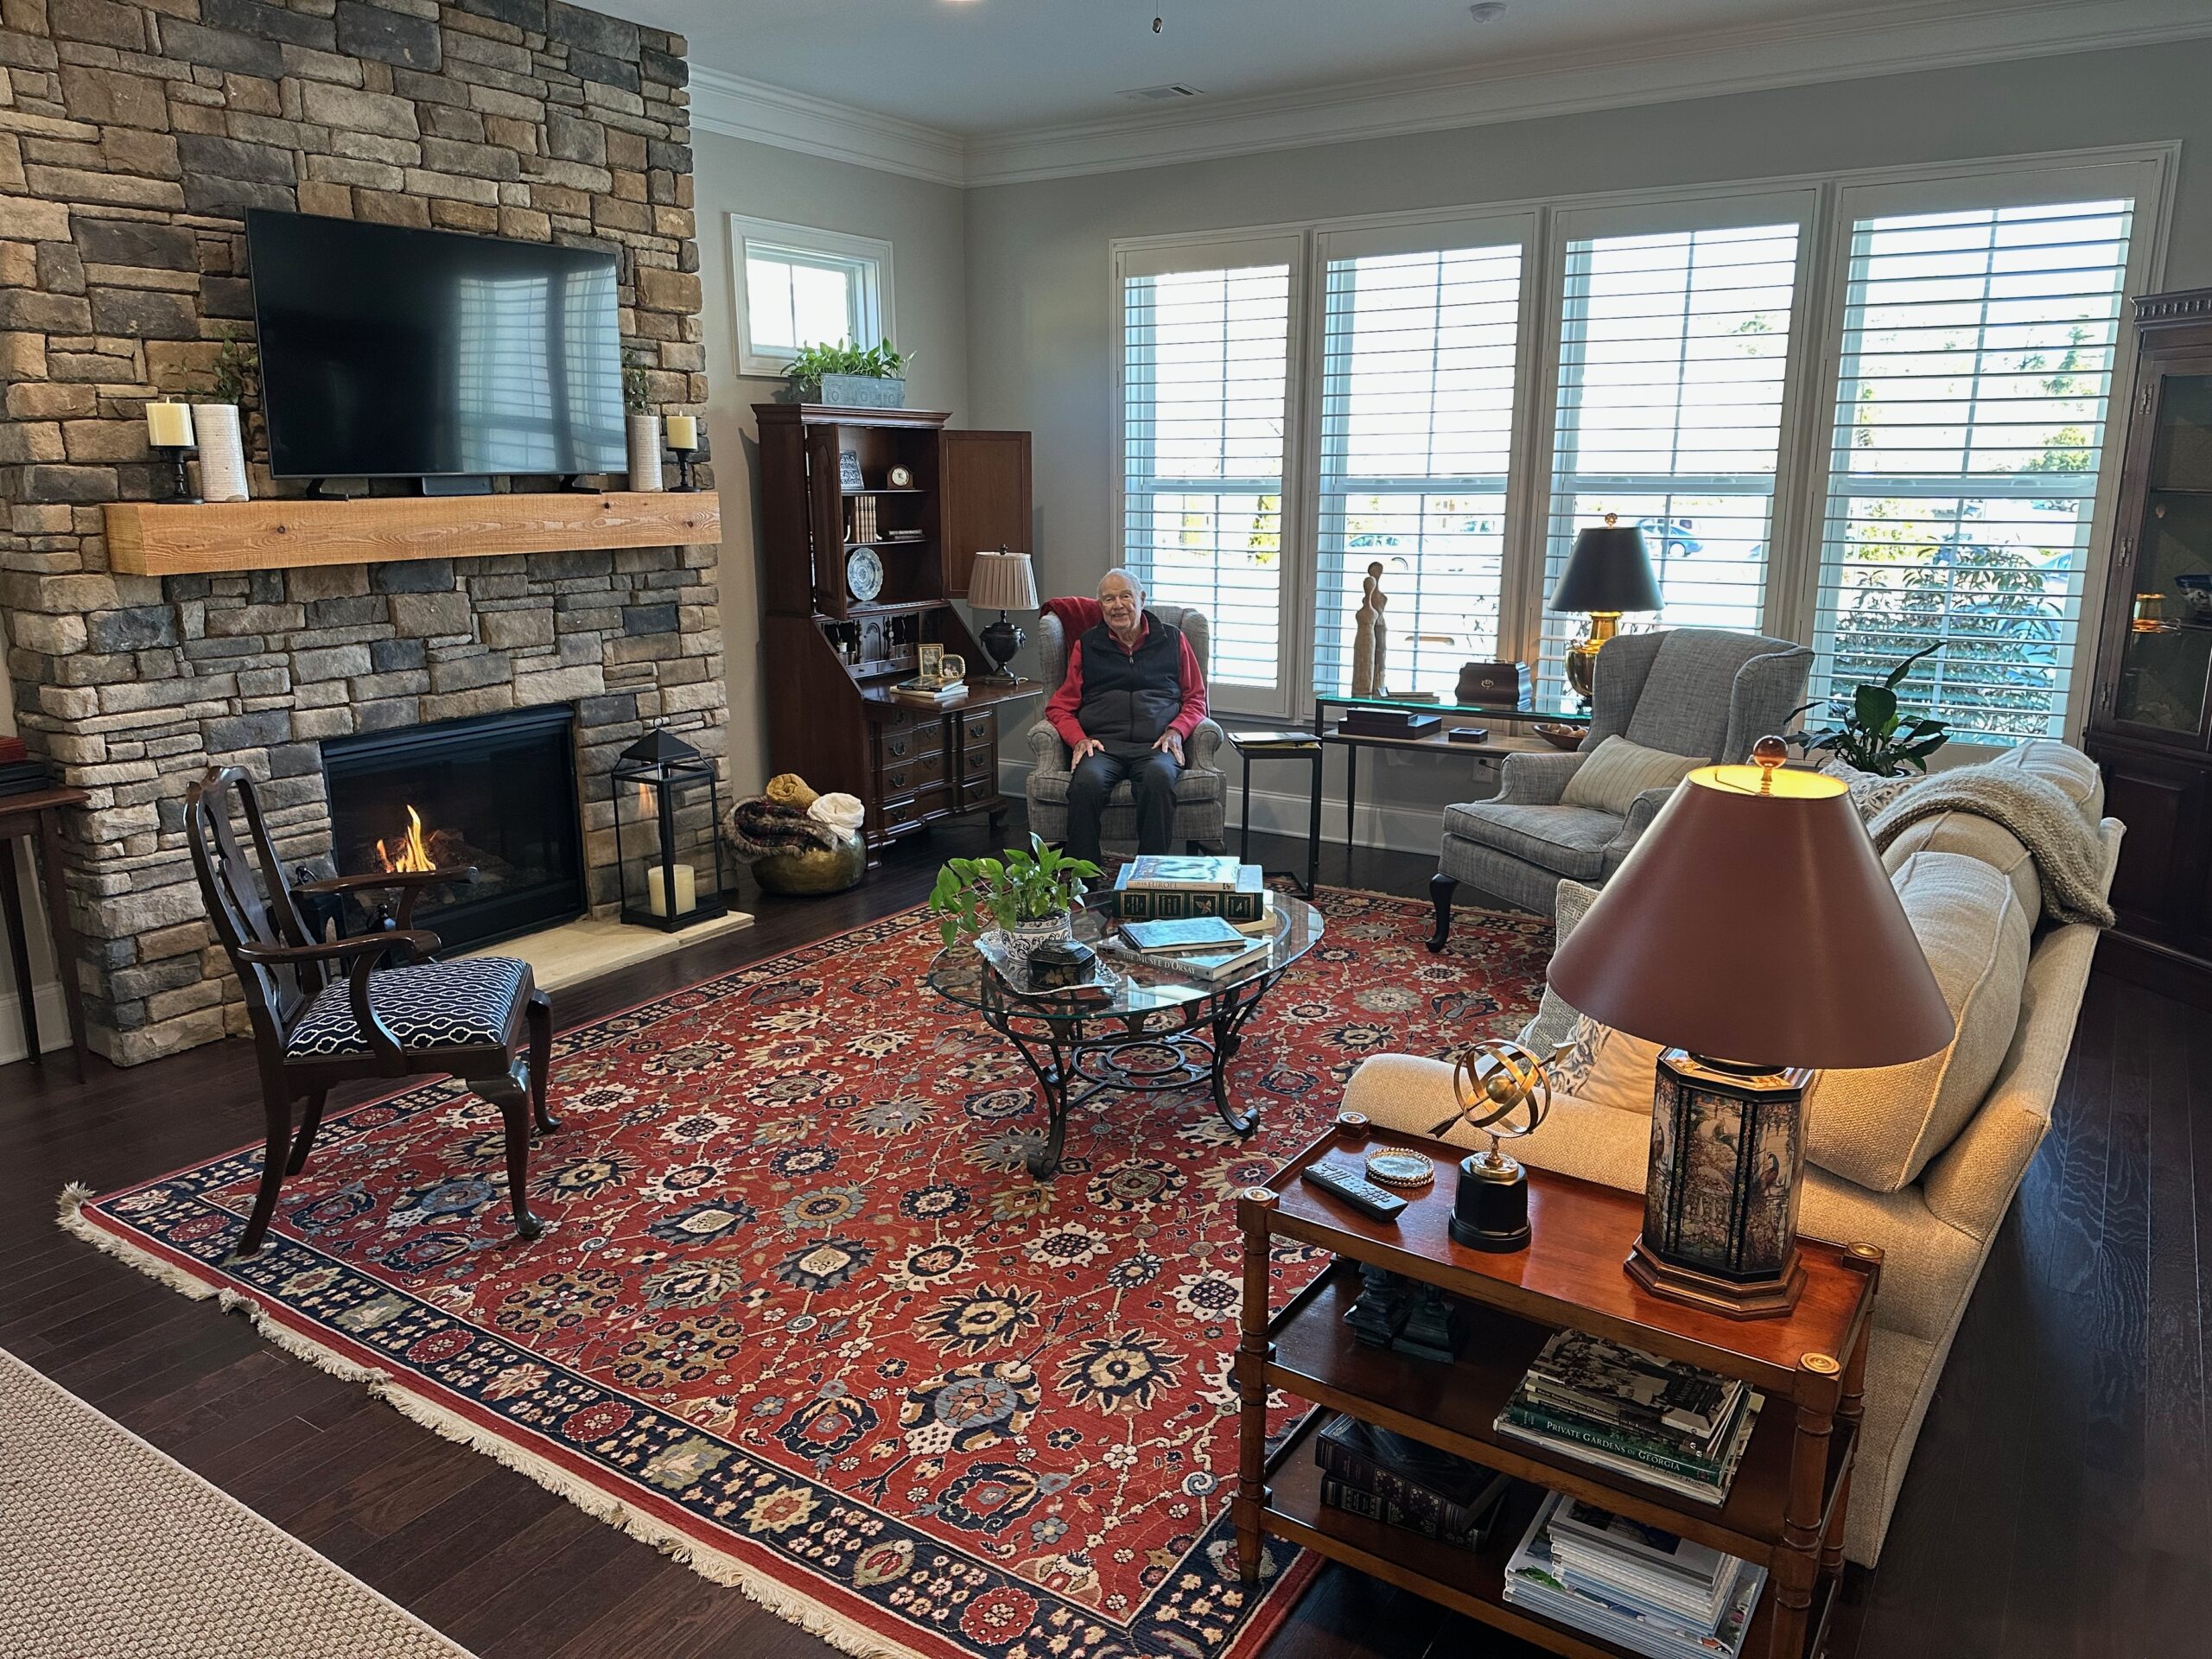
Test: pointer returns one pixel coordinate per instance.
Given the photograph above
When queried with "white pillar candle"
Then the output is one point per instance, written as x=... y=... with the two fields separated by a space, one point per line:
x=169 y=426
x=683 y=431
x=686 y=892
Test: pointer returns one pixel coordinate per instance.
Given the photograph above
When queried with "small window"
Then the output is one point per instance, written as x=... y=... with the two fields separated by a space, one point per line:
x=797 y=287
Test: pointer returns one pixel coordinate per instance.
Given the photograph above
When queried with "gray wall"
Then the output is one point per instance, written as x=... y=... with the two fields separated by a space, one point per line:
x=924 y=224
x=1038 y=282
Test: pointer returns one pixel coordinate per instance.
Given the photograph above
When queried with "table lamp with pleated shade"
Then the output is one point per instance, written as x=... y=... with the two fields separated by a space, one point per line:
x=1753 y=930
x=1002 y=581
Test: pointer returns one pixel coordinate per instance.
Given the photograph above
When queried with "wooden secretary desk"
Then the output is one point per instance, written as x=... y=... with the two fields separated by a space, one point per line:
x=870 y=519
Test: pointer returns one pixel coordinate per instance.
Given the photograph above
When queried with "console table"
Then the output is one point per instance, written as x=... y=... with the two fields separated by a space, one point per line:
x=1785 y=1508
x=36 y=818
x=1492 y=752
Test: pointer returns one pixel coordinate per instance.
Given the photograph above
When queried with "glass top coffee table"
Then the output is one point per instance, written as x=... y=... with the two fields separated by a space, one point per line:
x=1152 y=1030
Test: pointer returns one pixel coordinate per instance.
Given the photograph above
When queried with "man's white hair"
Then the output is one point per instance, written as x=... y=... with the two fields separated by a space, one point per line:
x=1126 y=574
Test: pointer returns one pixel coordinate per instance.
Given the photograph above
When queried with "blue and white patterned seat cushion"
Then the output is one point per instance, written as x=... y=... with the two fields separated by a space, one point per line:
x=431 y=1005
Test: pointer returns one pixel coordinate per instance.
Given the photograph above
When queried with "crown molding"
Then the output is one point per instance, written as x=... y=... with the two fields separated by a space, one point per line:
x=739 y=108
x=1855 y=45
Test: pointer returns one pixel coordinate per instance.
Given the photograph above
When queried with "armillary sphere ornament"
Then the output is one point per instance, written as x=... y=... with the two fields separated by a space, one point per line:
x=1503 y=1089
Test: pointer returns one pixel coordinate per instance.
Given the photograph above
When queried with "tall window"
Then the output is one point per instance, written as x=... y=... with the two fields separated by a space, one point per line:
x=1417 y=424
x=797 y=287
x=1674 y=350
x=1204 y=407
x=1976 y=365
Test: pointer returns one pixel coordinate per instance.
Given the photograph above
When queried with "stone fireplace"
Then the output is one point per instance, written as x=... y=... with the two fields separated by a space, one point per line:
x=133 y=135
x=496 y=794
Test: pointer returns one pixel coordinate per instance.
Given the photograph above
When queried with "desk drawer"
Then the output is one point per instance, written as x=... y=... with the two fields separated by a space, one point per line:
x=911 y=776
x=915 y=737
x=980 y=727
x=898 y=817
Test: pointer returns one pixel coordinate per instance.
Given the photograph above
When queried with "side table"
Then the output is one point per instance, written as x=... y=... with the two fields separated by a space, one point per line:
x=36 y=818
x=1283 y=745
x=1786 y=1508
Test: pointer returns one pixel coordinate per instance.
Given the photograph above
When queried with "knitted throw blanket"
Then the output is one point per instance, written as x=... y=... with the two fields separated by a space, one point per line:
x=761 y=828
x=2069 y=857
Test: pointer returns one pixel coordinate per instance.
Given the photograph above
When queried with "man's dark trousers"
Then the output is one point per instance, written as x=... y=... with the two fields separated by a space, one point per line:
x=1152 y=774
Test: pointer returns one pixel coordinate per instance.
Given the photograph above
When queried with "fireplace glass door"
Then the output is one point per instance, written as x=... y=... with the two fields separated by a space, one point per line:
x=495 y=791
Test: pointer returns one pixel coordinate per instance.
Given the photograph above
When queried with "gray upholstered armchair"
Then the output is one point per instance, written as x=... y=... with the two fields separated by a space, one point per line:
x=1699 y=691
x=1201 y=793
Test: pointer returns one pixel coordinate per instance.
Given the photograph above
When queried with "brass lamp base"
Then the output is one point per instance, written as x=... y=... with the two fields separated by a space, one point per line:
x=1582 y=655
x=1758 y=1299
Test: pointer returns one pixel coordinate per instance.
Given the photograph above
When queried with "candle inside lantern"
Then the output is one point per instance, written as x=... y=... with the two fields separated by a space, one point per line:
x=169 y=426
x=683 y=431
x=687 y=897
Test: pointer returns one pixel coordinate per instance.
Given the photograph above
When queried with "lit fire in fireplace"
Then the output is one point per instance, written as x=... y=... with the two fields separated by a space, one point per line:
x=414 y=854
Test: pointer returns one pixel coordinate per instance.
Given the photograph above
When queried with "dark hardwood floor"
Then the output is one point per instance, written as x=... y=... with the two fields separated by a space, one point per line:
x=2060 y=1503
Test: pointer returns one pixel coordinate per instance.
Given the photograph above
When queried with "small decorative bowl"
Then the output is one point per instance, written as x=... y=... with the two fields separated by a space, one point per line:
x=1560 y=737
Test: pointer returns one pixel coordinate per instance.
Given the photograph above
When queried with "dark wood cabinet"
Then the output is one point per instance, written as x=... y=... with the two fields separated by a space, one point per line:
x=914 y=503
x=2150 y=720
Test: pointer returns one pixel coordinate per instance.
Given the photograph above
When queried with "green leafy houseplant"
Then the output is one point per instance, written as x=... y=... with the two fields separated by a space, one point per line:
x=881 y=361
x=1876 y=736
x=637 y=390
x=974 y=895
x=237 y=362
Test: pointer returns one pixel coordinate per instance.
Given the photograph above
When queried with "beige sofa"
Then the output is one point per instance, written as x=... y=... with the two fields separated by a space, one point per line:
x=1935 y=1227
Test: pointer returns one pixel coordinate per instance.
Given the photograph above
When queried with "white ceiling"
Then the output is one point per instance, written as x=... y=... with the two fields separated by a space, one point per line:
x=976 y=67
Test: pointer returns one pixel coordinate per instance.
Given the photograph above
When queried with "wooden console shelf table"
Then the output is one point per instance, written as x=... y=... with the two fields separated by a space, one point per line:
x=1785 y=1509
x=176 y=538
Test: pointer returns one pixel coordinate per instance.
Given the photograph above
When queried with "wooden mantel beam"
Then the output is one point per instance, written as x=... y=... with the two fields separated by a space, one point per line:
x=176 y=538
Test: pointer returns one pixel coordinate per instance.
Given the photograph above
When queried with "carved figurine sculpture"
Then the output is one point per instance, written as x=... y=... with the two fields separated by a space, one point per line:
x=1369 y=637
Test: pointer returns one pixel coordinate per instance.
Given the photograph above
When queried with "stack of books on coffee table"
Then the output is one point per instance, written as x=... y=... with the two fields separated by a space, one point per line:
x=1198 y=947
x=1404 y=1483
x=1172 y=888
x=1647 y=1590
x=1634 y=1414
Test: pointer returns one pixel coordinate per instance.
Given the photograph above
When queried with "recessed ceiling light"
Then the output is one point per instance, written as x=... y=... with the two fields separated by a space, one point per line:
x=1487 y=11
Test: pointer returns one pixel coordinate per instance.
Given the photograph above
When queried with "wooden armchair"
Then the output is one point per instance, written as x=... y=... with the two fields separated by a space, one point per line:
x=325 y=1013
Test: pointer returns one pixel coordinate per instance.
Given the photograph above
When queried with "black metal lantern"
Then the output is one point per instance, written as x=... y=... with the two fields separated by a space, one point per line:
x=651 y=781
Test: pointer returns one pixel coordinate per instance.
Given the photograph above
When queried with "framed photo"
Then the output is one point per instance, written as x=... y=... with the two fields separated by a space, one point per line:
x=849 y=470
x=929 y=660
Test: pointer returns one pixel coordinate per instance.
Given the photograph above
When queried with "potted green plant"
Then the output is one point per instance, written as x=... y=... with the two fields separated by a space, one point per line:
x=1019 y=900
x=1876 y=736
x=217 y=425
x=846 y=374
x=643 y=428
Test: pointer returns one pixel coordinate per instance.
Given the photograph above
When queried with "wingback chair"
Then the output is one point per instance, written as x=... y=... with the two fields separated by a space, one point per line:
x=1688 y=691
x=328 y=1012
x=1201 y=793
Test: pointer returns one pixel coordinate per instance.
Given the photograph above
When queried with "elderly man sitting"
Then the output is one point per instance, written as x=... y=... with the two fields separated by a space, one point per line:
x=1134 y=693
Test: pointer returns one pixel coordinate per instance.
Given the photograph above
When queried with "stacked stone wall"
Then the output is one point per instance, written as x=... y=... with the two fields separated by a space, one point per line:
x=133 y=135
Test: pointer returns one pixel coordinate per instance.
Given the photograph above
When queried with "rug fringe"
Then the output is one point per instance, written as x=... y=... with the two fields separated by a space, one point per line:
x=847 y=1635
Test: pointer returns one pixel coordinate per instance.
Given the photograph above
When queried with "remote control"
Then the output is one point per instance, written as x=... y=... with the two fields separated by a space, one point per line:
x=1357 y=1191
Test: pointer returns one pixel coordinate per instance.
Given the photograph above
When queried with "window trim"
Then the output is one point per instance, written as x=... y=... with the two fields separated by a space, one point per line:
x=873 y=255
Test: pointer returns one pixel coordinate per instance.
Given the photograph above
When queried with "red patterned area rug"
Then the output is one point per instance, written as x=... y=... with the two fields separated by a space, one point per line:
x=802 y=1319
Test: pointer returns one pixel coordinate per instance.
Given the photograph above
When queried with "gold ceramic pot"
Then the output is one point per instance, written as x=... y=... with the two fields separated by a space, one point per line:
x=816 y=870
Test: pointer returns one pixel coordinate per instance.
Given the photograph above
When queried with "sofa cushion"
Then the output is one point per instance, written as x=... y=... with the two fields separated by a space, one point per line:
x=1570 y=840
x=2072 y=772
x=1879 y=1127
x=1554 y=1021
x=1618 y=771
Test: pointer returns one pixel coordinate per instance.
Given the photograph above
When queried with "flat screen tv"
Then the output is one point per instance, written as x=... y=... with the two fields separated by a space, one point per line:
x=387 y=351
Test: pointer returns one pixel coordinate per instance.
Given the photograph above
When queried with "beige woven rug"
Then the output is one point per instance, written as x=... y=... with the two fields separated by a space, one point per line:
x=115 y=1550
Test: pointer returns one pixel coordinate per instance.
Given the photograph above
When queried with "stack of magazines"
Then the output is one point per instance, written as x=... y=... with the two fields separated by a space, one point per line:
x=1404 y=1483
x=1634 y=1414
x=1649 y=1591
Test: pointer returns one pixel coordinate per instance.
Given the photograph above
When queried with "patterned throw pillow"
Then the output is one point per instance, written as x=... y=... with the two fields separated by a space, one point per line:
x=1869 y=790
x=1606 y=1067
x=1618 y=771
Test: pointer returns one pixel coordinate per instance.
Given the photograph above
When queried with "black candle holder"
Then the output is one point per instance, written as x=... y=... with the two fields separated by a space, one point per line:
x=683 y=484
x=176 y=454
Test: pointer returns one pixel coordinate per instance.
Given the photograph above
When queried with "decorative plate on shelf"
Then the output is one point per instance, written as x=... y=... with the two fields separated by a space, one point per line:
x=863 y=574
x=900 y=477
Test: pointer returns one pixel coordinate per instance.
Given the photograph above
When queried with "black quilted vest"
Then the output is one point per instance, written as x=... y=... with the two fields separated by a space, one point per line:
x=1129 y=698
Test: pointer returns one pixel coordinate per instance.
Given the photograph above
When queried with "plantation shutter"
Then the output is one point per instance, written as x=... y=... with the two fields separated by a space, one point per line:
x=1205 y=353
x=1419 y=374
x=1674 y=352
x=1975 y=368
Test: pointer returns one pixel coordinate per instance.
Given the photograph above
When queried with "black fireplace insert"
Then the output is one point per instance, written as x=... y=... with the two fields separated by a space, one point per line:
x=497 y=792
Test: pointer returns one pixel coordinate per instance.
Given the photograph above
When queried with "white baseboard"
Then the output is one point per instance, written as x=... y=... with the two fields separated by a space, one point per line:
x=1284 y=812
x=52 y=1022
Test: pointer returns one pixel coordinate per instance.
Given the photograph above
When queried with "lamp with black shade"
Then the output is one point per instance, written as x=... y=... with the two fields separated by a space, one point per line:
x=1754 y=930
x=1002 y=581
x=1607 y=572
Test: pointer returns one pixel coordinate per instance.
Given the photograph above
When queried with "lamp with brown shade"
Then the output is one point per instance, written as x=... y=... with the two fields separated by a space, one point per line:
x=1754 y=928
